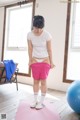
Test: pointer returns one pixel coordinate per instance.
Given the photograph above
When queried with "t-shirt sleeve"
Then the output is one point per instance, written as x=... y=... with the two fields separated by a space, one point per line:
x=49 y=37
x=29 y=36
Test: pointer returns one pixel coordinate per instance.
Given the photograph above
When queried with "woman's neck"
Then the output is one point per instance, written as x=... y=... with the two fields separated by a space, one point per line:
x=38 y=33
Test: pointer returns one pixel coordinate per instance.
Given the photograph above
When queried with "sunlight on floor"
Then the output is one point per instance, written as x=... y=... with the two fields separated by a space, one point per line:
x=52 y=97
x=29 y=89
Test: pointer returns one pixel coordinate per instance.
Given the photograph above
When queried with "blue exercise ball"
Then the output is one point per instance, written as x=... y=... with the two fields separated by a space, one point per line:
x=73 y=96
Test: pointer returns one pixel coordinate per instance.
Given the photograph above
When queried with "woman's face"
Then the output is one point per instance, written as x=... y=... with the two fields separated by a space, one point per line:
x=37 y=30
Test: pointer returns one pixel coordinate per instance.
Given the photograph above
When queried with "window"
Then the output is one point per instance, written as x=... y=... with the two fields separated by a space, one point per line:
x=18 y=23
x=72 y=43
x=75 y=25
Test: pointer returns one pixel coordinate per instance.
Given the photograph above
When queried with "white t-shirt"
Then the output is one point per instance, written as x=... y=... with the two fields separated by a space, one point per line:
x=39 y=44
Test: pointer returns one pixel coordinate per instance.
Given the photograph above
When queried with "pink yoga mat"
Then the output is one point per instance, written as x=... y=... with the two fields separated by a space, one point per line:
x=24 y=112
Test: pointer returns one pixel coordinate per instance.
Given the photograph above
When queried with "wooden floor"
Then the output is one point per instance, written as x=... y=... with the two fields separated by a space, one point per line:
x=10 y=99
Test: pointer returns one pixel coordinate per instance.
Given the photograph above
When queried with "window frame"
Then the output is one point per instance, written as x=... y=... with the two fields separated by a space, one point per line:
x=5 y=8
x=66 y=44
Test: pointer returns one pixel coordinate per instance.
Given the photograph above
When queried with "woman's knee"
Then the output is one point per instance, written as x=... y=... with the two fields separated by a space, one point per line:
x=43 y=83
x=36 y=82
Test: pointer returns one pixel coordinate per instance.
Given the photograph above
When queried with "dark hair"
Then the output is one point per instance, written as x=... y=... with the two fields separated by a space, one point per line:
x=38 y=21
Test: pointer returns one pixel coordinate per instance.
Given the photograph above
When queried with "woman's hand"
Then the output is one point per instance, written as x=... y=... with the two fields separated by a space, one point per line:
x=52 y=65
x=31 y=61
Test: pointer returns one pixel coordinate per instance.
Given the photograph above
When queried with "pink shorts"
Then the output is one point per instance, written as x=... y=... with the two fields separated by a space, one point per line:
x=40 y=70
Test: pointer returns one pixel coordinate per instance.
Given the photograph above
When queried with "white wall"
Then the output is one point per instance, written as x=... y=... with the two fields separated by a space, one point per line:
x=55 y=14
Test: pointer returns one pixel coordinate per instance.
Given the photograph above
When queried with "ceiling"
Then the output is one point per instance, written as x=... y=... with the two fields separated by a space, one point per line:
x=7 y=2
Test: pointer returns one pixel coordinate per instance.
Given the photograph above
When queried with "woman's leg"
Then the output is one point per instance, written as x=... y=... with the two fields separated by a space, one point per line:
x=43 y=93
x=36 y=86
x=35 y=90
x=43 y=86
x=43 y=90
x=44 y=73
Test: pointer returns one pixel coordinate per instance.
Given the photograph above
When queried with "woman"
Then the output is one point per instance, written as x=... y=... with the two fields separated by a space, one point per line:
x=40 y=58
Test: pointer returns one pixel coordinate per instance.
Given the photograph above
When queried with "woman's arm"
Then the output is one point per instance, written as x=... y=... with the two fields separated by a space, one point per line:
x=49 y=49
x=30 y=48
